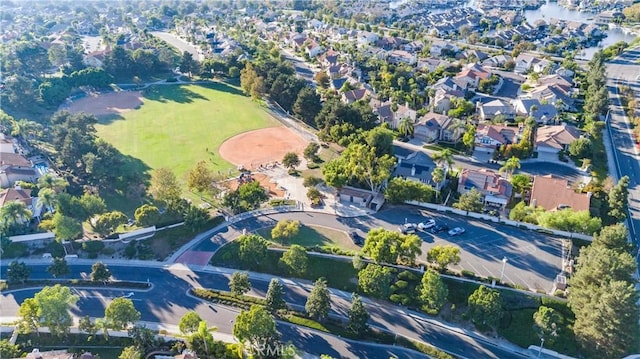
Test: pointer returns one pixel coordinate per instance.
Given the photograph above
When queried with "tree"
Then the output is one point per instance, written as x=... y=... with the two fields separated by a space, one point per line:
x=100 y=272
x=52 y=182
x=295 y=259
x=58 y=268
x=147 y=215
x=18 y=272
x=9 y=350
x=121 y=313
x=319 y=300
x=54 y=305
x=444 y=255
x=188 y=65
x=438 y=175
x=85 y=325
x=291 y=160
x=130 y=352
x=485 y=306
x=581 y=148
x=247 y=197
x=46 y=199
x=311 y=151
x=375 y=280
x=405 y=127
x=381 y=139
x=189 y=322
x=470 y=201
x=253 y=249
x=607 y=326
x=307 y=105
x=322 y=79
x=91 y=205
x=15 y=213
x=255 y=326
x=247 y=77
x=164 y=185
x=285 y=229
x=432 y=291
x=239 y=283
x=612 y=237
x=570 y=221
x=384 y=246
x=200 y=178
x=618 y=199
x=521 y=183
x=443 y=157
x=358 y=317
x=361 y=163
x=202 y=342
x=66 y=228
x=29 y=313
x=510 y=166
x=400 y=190
x=546 y=322
x=275 y=296
x=108 y=222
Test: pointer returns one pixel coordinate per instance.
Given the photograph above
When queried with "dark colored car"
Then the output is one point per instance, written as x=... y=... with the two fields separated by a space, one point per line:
x=439 y=228
x=356 y=238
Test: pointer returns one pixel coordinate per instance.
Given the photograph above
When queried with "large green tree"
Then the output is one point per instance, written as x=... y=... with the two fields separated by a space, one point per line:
x=470 y=201
x=359 y=163
x=253 y=249
x=432 y=291
x=400 y=190
x=307 y=105
x=18 y=272
x=58 y=268
x=100 y=272
x=164 y=185
x=384 y=246
x=295 y=259
x=485 y=306
x=255 y=326
x=618 y=199
x=121 y=313
x=319 y=300
x=189 y=322
x=375 y=280
x=239 y=283
x=275 y=296
x=54 y=305
x=613 y=237
x=285 y=229
x=444 y=255
x=358 y=317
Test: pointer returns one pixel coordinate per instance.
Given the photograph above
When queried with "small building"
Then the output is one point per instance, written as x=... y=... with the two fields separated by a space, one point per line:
x=495 y=189
x=552 y=193
x=494 y=136
x=417 y=166
x=553 y=139
x=492 y=109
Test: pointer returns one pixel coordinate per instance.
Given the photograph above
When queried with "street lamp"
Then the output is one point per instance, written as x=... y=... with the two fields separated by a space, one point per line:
x=504 y=264
x=541 y=345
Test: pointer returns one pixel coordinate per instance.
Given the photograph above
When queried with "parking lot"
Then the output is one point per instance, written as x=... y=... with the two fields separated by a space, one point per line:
x=532 y=259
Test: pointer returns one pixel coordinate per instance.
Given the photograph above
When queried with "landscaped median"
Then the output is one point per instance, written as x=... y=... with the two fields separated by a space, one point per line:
x=334 y=325
x=4 y=286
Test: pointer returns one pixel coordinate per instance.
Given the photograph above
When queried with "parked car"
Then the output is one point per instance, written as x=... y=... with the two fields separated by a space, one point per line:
x=456 y=231
x=408 y=228
x=428 y=223
x=439 y=228
x=356 y=238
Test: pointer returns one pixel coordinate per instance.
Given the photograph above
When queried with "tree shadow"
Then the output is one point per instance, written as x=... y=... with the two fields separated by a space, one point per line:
x=127 y=193
x=166 y=94
x=223 y=87
x=109 y=119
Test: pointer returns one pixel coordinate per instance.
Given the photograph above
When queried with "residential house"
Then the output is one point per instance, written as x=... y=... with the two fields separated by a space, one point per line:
x=472 y=75
x=313 y=49
x=367 y=38
x=475 y=55
x=495 y=189
x=15 y=167
x=542 y=113
x=18 y=194
x=417 y=166
x=438 y=46
x=414 y=46
x=542 y=65
x=431 y=127
x=553 y=139
x=552 y=94
x=524 y=63
x=566 y=84
x=552 y=193
x=494 y=136
x=442 y=99
x=401 y=56
x=352 y=96
x=492 y=109
x=430 y=64
x=387 y=115
x=336 y=84
x=498 y=61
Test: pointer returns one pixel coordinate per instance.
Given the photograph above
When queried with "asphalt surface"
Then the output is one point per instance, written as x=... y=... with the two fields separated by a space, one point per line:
x=624 y=70
x=178 y=43
x=533 y=259
x=168 y=301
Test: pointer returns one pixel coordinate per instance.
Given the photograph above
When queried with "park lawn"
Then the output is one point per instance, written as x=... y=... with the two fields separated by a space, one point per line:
x=339 y=274
x=310 y=236
x=180 y=125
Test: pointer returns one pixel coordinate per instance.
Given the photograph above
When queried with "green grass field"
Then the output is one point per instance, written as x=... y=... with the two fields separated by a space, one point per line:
x=179 y=125
x=310 y=236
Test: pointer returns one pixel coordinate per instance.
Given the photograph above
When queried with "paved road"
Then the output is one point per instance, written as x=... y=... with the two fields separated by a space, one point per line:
x=167 y=301
x=303 y=69
x=624 y=70
x=179 y=43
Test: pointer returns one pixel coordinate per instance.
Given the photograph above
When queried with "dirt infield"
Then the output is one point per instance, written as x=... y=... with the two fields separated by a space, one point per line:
x=265 y=181
x=112 y=103
x=260 y=147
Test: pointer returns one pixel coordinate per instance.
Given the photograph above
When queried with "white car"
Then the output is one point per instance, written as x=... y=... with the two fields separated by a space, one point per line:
x=428 y=223
x=456 y=231
x=408 y=228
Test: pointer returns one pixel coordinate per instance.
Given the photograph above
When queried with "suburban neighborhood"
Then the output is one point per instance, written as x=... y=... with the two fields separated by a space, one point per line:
x=310 y=179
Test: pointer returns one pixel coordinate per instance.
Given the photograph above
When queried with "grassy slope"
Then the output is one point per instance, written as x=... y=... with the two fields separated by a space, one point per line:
x=178 y=124
x=310 y=236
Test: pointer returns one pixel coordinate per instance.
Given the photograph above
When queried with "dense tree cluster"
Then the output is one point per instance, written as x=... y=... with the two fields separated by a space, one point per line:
x=384 y=246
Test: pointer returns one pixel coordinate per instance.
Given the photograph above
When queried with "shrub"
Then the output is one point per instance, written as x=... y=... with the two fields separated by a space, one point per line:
x=92 y=255
x=467 y=273
x=92 y=246
x=312 y=165
x=130 y=250
x=401 y=284
x=108 y=251
x=408 y=276
x=311 y=181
